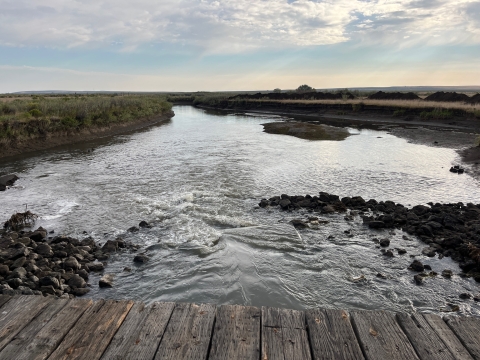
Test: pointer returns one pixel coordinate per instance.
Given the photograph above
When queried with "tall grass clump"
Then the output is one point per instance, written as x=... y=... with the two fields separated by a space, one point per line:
x=437 y=114
x=29 y=118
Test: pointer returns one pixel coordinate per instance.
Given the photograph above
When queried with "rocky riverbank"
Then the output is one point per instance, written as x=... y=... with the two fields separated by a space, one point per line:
x=40 y=263
x=447 y=229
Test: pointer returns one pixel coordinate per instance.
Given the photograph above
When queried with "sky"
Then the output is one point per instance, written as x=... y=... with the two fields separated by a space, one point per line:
x=204 y=45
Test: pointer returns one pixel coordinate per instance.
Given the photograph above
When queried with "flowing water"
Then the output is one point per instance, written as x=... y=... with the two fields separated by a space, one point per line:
x=198 y=179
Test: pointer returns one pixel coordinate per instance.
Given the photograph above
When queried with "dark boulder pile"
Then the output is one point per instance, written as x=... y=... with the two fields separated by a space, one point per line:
x=449 y=229
x=394 y=96
x=441 y=96
x=475 y=99
x=294 y=96
x=33 y=263
x=7 y=180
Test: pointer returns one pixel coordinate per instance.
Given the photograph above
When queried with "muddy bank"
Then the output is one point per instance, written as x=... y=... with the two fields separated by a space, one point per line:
x=51 y=140
x=40 y=263
x=306 y=131
x=451 y=230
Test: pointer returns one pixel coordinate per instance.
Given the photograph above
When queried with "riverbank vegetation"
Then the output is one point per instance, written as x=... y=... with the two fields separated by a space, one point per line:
x=36 y=116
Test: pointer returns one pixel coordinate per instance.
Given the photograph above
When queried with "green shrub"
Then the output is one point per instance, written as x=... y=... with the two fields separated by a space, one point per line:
x=35 y=113
x=477 y=114
x=399 y=112
x=69 y=122
x=358 y=107
x=436 y=114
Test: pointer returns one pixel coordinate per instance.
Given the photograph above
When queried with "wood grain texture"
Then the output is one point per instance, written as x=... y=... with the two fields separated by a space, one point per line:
x=448 y=337
x=425 y=341
x=467 y=330
x=26 y=336
x=89 y=338
x=51 y=335
x=188 y=332
x=4 y=299
x=381 y=337
x=236 y=333
x=18 y=313
x=141 y=332
x=284 y=334
x=332 y=336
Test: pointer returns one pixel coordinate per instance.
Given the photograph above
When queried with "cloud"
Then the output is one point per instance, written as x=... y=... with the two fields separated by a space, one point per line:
x=229 y=26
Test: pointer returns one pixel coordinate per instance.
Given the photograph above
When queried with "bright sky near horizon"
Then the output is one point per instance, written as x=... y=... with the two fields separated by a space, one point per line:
x=194 y=45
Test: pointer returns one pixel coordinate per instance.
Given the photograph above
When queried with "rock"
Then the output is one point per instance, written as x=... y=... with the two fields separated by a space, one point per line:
x=144 y=224
x=106 y=281
x=15 y=252
x=60 y=254
x=416 y=266
x=18 y=263
x=76 y=281
x=49 y=281
x=427 y=267
x=25 y=241
x=328 y=209
x=71 y=263
x=45 y=250
x=133 y=229
x=83 y=273
x=401 y=251
x=127 y=269
x=298 y=224
x=110 y=246
x=418 y=279
x=284 y=203
x=7 y=180
x=384 y=242
x=429 y=251
x=382 y=276
x=4 y=270
x=465 y=296
x=38 y=235
x=19 y=272
x=447 y=273
x=15 y=282
x=141 y=258
x=388 y=253
x=96 y=266
x=80 y=291
x=376 y=224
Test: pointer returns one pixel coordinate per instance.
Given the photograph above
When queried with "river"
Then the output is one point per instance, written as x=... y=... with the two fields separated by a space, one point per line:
x=198 y=179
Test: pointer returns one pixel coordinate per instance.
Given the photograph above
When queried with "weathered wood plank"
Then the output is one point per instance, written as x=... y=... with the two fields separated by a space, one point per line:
x=284 y=334
x=93 y=332
x=17 y=313
x=332 y=336
x=425 y=341
x=381 y=337
x=467 y=330
x=50 y=335
x=448 y=337
x=26 y=336
x=236 y=333
x=188 y=332
x=4 y=299
x=141 y=332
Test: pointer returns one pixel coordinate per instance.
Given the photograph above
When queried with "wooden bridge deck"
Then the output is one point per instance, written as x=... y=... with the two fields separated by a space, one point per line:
x=35 y=327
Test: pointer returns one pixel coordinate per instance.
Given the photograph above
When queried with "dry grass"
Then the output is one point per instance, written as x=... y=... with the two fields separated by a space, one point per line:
x=20 y=220
x=409 y=104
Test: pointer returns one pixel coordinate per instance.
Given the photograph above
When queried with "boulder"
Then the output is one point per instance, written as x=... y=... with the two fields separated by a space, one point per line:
x=45 y=250
x=298 y=224
x=144 y=224
x=39 y=234
x=110 y=246
x=285 y=203
x=76 y=281
x=416 y=266
x=80 y=291
x=49 y=281
x=429 y=251
x=141 y=258
x=384 y=242
x=447 y=273
x=376 y=224
x=106 y=281
x=71 y=263
x=95 y=266
x=7 y=180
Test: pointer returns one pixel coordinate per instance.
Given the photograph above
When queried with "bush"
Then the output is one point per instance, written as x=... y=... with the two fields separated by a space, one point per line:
x=436 y=114
x=305 y=89
x=358 y=107
x=399 y=112
x=35 y=113
x=69 y=122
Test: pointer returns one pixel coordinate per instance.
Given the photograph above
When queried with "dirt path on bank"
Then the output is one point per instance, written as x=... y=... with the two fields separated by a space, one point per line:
x=65 y=138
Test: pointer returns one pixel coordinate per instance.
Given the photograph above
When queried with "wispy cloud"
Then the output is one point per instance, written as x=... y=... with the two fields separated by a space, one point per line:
x=230 y=26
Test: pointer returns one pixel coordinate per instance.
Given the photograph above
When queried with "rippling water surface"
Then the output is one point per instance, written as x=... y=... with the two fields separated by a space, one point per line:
x=198 y=180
